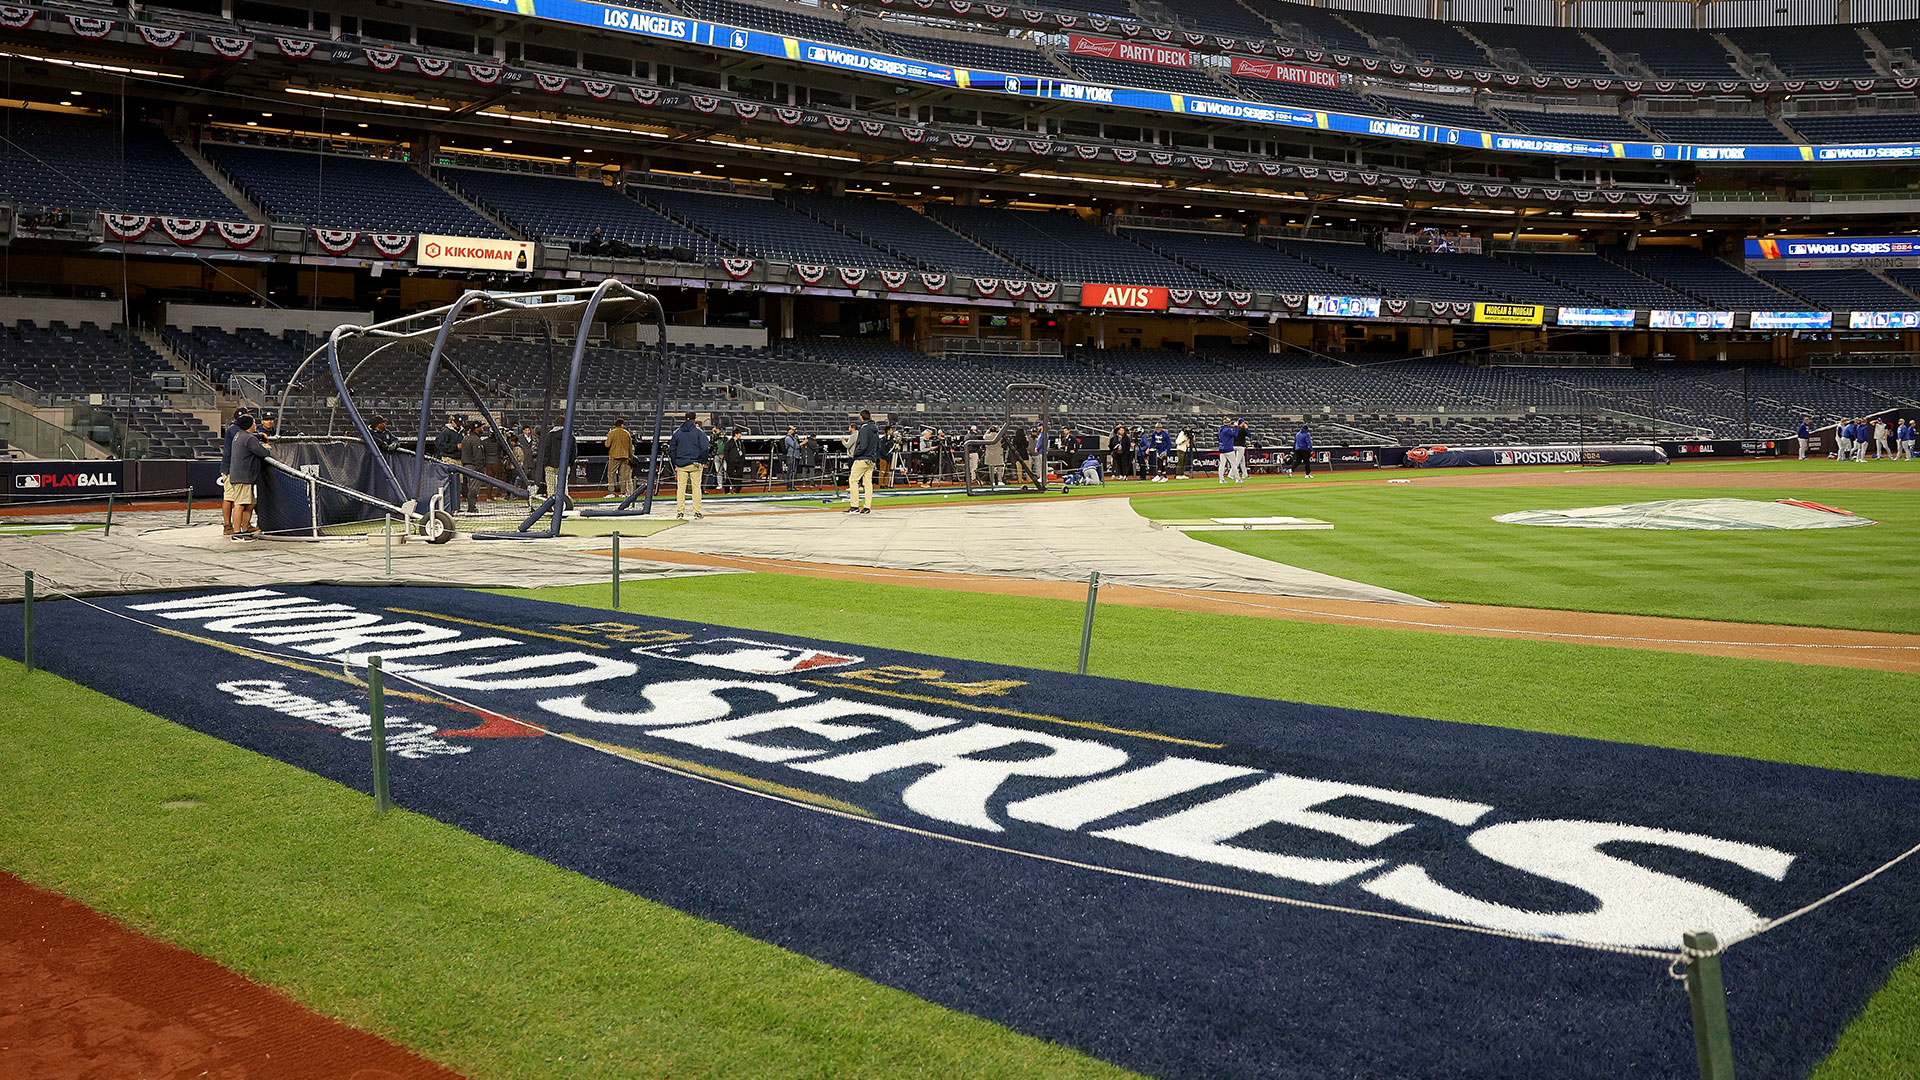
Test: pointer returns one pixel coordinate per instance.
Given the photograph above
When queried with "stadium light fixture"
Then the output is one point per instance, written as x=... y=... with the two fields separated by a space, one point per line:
x=1606 y=213
x=1090 y=180
x=367 y=99
x=761 y=148
x=115 y=69
x=1249 y=194
x=1474 y=210
x=945 y=165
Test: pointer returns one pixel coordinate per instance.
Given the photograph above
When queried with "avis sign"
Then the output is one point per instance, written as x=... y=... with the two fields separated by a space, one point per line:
x=1130 y=297
x=474 y=253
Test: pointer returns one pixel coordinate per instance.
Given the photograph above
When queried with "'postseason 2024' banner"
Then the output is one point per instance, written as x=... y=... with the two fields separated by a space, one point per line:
x=1095 y=862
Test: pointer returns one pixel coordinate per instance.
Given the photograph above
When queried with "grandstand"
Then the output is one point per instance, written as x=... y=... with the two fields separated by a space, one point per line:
x=82 y=164
x=332 y=191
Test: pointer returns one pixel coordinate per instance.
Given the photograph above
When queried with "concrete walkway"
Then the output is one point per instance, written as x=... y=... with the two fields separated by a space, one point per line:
x=137 y=559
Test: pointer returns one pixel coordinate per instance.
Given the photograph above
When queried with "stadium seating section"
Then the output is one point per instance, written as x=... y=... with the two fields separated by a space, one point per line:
x=334 y=191
x=82 y=165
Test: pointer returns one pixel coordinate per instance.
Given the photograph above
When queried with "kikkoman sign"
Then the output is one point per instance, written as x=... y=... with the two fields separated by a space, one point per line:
x=475 y=253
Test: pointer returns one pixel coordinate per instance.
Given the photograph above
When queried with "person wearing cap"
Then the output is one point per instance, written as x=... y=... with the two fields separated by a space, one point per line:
x=1228 y=431
x=448 y=445
x=687 y=449
x=382 y=438
x=246 y=468
x=736 y=460
x=619 y=458
x=866 y=459
x=226 y=465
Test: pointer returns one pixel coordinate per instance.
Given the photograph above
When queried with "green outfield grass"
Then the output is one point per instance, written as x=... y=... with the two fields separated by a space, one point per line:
x=1441 y=543
x=503 y=966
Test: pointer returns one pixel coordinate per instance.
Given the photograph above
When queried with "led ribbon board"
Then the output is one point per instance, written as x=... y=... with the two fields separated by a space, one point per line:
x=757 y=42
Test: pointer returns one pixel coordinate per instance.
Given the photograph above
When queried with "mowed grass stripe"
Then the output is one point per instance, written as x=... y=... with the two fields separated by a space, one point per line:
x=1440 y=543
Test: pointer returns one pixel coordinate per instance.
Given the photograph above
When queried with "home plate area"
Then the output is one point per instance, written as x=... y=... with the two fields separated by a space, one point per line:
x=1185 y=884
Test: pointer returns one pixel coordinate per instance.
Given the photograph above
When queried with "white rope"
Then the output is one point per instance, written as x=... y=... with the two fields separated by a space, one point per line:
x=1107 y=579
x=1676 y=958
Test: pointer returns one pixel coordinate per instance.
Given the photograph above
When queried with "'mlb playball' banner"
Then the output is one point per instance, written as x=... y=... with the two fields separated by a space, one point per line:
x=1116 y=866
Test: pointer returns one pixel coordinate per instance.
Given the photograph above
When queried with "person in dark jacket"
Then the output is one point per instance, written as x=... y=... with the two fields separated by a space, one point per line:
x=1121 y=442
x=447 y=446
x=1302 y=452
x=226 y=465
x=550 y=463
x=736 y=458
x=473 y=455
x=866 y=459
x=687 y=449
x=790 y=452
x=246 y=468
x=382 y=437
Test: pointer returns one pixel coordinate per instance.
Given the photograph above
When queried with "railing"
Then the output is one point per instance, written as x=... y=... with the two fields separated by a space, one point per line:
x=1207 y=225
x=1865 y=359
x=994 y=346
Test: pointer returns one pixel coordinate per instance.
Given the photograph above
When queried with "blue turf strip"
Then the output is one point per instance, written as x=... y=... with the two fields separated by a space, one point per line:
x=1543 y=834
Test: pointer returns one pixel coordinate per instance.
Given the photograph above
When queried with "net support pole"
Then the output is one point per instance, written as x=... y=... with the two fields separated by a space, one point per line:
x=616 y=571
x=1708 y=995
x=387 y=527
x=108 y=531
x=26 y=624
x=1086 y=626
x=377 y=715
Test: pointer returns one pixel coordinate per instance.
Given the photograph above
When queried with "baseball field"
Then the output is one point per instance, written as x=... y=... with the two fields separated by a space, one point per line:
x=1757 y=686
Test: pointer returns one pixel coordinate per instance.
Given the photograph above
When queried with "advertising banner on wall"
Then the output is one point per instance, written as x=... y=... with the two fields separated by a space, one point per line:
x=33 y=481
x=1592 y=316
x=1138 y=52
x=1510 y=314
x=1134 y=297
x=475 y=253
x=1344 y=307
x=1790 y=320
x=1832 y=247
x=1883 y=320
x=1281 y=71
x=1661 y=319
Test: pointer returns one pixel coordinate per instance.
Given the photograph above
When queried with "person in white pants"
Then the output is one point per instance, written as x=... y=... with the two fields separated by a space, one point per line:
x=1881 y=448
x=1860 y=433
x=1242 y=442
x=1226 y=437
x=1805 y=434
x=1905 y=439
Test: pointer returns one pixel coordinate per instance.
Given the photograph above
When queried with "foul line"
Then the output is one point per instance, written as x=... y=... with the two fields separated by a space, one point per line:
x=998 y=710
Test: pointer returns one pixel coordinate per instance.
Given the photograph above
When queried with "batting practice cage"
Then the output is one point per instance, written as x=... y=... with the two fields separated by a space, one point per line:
x=401 y=423
x=1010 y=457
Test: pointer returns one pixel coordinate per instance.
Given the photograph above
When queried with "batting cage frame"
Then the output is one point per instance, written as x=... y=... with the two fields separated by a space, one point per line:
x=478 y=310
x=1012 y=452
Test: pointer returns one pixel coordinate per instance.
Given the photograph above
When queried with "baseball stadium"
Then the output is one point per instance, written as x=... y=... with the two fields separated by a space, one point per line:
x=1231 y=539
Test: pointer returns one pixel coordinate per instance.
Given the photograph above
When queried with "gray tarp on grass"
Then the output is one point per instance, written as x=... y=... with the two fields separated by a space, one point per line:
x=134 y=559
x=1033 y=539
x=1710 y=514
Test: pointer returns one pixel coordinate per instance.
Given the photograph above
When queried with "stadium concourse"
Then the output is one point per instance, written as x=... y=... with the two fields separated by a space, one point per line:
x=1205 y=693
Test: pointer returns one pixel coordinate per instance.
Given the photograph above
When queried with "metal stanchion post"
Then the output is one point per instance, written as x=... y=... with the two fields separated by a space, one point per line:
x=388 y=527
x=1086 y=627
x=1708 y=995
x=108 y=531
x=26 y=628
x=616 y=570
x=189 y=506
x=377 y=715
